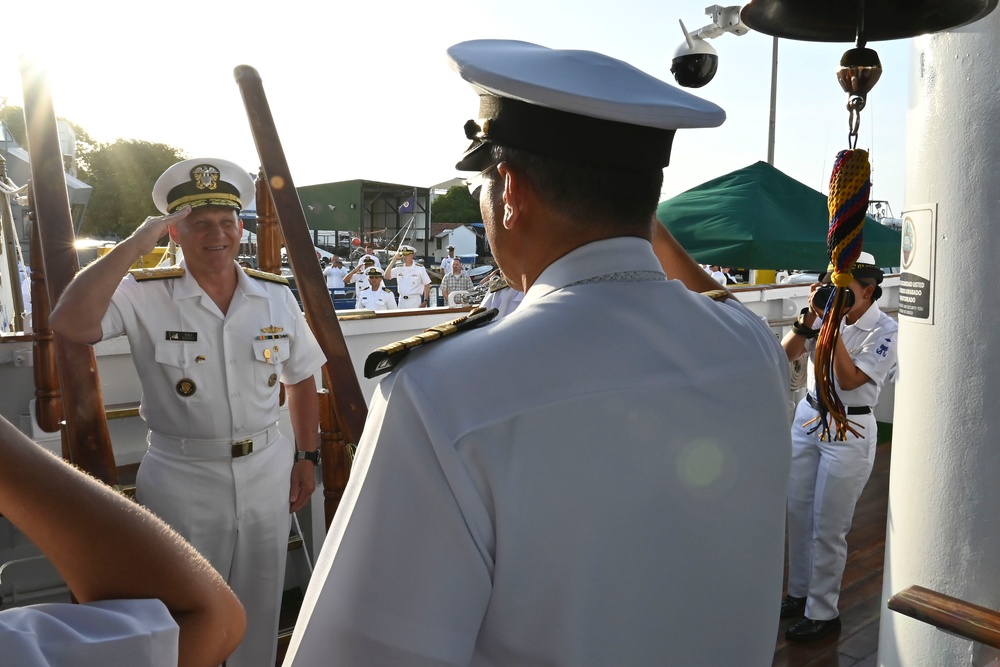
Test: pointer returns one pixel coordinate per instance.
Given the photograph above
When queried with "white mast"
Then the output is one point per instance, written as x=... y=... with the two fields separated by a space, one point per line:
x=944 y=508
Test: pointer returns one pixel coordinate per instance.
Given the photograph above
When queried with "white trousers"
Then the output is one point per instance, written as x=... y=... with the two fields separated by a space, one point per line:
x=234 y=511
x=826 y=480
x=409 y=300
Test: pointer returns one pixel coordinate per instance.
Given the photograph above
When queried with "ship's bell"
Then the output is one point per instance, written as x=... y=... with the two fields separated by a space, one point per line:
x=860 y=20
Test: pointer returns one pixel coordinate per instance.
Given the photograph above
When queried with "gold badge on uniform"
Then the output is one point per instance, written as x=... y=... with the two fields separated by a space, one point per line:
x=272 y=329
x=205 y=177
x=186 y=386
x=273 y=380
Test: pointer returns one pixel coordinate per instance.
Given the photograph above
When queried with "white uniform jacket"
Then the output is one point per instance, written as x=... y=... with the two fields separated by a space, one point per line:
x=232 y=362
x=380 y=299
x=611 y=512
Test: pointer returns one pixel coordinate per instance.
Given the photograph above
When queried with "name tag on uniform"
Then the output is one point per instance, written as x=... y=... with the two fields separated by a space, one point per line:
x=186 y=336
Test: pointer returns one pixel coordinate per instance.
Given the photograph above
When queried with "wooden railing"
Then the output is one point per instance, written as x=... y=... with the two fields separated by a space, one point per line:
x=949 y=614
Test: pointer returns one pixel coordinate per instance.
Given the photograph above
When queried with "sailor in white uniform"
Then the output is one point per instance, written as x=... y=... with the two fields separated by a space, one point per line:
x=377 y=296
x=481 y=529
x=412 y=282
x=358 y=276
x=828 y=476
x=212 y=343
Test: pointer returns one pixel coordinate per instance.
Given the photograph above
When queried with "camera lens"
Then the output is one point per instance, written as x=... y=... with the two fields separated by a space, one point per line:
x=694 y=70
x=822 y=296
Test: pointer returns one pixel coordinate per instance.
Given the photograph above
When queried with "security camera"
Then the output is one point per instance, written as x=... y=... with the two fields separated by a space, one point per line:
x=695 y=62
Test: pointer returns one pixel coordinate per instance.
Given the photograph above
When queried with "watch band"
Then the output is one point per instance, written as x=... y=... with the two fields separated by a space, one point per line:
x=307 y=456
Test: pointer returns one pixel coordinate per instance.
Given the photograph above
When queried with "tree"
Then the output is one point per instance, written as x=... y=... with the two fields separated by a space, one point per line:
x=13 y=118
x=122 y=175
x=456 y=205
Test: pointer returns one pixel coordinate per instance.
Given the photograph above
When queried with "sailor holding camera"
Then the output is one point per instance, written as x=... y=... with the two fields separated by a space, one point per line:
x=827 y=477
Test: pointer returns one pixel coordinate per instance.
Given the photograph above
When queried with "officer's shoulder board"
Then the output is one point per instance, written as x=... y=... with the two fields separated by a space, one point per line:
x=264 y=275
x=497 y=283
x=386 y=289
x=385 y=358
x=717 y=294
x=157 y=273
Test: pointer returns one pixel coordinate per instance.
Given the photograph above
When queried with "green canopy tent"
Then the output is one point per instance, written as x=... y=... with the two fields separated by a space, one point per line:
x=759 y=218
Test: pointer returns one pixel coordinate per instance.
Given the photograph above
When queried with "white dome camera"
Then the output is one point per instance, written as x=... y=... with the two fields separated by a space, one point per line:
x=695 y=62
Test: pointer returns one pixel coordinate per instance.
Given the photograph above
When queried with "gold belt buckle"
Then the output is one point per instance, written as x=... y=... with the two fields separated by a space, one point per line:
x=242 y=448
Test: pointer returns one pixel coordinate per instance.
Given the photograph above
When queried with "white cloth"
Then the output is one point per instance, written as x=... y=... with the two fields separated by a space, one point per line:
x=566 y=513
x=360 y=282
x=446 y=265
x=234 y=511
x=719 y=277
x=410 y=281
x=99 y=634
x=505 y=300
x=827 y=478
x=335 y=277
x=380 y=299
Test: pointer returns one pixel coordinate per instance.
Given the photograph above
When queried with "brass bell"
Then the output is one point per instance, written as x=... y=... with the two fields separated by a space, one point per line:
x=859 y=71
x=860 y=21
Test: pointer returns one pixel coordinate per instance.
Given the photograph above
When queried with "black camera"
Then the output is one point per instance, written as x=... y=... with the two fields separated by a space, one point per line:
x=822 y=296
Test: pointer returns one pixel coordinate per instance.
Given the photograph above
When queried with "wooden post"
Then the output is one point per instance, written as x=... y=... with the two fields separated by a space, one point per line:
x=83 y=401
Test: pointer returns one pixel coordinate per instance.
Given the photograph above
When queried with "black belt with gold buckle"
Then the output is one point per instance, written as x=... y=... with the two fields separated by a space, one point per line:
x=242 y=448
x=851 y=410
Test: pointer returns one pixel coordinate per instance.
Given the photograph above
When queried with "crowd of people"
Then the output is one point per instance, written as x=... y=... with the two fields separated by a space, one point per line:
x=565 y=513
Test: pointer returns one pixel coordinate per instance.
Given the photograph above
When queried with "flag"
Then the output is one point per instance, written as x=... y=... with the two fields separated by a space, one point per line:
x=408 y=206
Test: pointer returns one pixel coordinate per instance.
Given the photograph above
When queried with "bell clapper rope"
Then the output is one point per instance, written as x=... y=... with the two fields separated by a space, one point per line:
x=850 y=187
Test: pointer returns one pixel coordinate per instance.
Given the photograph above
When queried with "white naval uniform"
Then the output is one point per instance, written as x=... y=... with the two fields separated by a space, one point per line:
x=446 y=265
x=567 y=513
x=410 y=281
x=827 y=478
x=505 y=299
x=233 y=510
x=98 y=634
x=360 y=282
x=380 y=299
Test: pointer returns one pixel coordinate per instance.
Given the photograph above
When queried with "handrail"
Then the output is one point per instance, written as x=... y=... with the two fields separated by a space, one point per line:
x=950 y=614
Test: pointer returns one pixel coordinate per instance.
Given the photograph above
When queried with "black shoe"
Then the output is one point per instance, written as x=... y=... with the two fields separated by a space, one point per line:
x=808 y=630
x=792 y=607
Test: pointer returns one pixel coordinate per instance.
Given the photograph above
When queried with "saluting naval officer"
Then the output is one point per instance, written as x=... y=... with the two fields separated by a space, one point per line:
x=827 y=477
x=377 y=296
x=412 y=282
x=593 y=503
x=211 y=341
x=358 y=276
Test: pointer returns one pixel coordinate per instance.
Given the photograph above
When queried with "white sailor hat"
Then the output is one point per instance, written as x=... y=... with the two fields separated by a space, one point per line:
x=451 y=247
x=374 y=272
x=407 y=249
x=203 y=182
x=572 y=105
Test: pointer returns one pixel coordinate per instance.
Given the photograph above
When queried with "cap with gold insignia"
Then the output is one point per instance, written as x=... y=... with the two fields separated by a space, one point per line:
x=374 y=272
x=407 y=249
x=203 y=182
x=572 y=105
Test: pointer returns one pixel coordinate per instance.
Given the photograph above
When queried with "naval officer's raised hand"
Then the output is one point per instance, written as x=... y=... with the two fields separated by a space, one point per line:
x=155 y=227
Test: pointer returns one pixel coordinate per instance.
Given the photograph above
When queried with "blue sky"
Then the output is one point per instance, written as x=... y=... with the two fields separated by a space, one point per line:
x=365 y=91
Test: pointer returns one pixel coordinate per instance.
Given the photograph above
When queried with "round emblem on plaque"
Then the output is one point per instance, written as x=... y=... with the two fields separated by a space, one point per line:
x=186 y=386
x=273 y=380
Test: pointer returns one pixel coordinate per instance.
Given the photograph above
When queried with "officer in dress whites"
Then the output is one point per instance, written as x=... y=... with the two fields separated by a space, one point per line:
x=412 y=282
x=447 y=261
x=358 y=276
x=827 y=477
x=480 y=530
x=377 y=296
x=211 y=341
